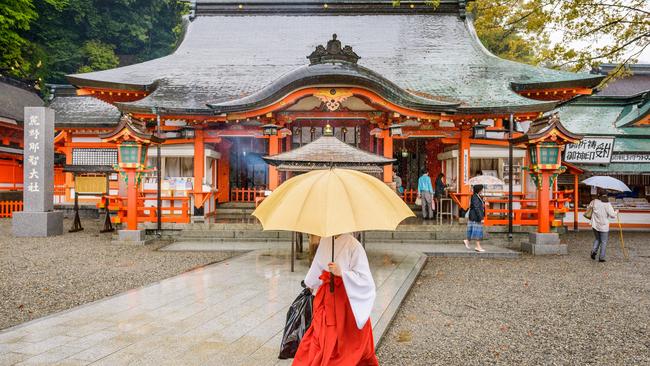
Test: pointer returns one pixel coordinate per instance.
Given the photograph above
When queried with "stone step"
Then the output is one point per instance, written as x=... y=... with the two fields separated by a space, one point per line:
x=473 y=254
x=244 y=205
x=305 y=244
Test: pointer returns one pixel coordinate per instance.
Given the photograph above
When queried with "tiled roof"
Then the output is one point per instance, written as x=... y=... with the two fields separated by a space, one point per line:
x=328 y=150
x=621 y=168
x=632 y=144
x=224 y=58
x=84 y=111
x=637 y=81
x=609 y=115
x=627 y=86
x=14 y=99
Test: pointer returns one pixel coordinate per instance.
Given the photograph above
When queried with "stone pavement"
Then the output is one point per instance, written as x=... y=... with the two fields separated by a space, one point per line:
x=228 y=313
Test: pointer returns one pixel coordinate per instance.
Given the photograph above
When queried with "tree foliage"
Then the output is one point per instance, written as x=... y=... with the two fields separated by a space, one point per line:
x=568 y=34
x=16 y=17
x=69 y=36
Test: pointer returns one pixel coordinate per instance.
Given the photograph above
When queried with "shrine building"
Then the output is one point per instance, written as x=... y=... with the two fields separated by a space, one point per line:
x=253 y=79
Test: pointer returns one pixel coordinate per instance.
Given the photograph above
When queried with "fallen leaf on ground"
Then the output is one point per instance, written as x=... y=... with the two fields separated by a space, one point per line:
x=404 y=336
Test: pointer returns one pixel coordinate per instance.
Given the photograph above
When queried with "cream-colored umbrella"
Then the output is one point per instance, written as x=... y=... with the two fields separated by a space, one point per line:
x=331 y=202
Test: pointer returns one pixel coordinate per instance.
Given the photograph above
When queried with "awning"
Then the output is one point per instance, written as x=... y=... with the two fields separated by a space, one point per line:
x=619 y=168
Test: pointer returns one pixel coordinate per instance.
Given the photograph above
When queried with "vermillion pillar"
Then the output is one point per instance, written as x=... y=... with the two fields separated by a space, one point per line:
x=388 y=153
x=223 y=175
x=199 y=167
x=575 y=202
x=132 y=200
x=69 y=179
x=463 y=168
x=273 y=171
x=543 y=199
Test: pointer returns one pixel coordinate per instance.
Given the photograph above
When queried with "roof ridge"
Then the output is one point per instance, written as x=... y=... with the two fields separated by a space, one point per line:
x=324 y=7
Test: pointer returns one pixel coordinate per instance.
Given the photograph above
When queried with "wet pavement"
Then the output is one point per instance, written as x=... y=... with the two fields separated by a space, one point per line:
x=229 y=313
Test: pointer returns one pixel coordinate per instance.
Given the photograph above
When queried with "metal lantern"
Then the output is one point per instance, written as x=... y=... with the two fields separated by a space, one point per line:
x=395 y=129
x=270 y=130
x=132 y=155
x=188 y=133
x=479 y=131
x=545 y=155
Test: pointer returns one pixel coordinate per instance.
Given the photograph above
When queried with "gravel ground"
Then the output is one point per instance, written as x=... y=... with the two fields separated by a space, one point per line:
x=566 y=310
x=40 y=276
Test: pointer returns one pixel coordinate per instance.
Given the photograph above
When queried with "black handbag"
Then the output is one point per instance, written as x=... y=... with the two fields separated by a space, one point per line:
x=298 y=321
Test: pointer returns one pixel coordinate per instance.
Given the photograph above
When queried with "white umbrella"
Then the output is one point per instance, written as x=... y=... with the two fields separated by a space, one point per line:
x=486 y=180
x=605 y=182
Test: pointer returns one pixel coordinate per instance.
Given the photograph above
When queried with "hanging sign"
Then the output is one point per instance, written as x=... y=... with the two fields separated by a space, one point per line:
x=590 y=150
x=628 y=157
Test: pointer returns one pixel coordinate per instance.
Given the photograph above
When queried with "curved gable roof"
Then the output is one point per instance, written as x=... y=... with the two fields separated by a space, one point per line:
x=224 y=58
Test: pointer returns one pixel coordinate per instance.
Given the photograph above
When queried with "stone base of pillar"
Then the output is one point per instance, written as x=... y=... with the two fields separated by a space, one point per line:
x=136 y=237
x=544 y=244
x=37 y=224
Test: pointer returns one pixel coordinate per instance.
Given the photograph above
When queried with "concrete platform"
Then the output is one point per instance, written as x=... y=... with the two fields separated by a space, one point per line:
x=228 y=313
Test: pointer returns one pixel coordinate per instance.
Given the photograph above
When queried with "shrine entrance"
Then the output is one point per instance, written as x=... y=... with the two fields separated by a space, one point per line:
x=248 y=172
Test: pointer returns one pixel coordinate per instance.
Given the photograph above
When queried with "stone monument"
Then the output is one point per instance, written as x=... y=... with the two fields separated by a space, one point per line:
x=38 y=217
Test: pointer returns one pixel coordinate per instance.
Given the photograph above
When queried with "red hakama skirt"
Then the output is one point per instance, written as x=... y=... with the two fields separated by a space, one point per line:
x=333 y=338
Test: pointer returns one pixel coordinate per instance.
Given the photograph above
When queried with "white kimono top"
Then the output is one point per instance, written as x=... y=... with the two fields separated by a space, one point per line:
x=350 y=256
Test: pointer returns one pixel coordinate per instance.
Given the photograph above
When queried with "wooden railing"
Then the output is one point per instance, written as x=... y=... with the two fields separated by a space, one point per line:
x=8 y=207
x=409 y=195
x=527 y=213
x=59 y=194
x=170 y=212
x=245 y=194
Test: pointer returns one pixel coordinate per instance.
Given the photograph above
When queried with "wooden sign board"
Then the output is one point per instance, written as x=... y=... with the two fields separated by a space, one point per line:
x=90 y=184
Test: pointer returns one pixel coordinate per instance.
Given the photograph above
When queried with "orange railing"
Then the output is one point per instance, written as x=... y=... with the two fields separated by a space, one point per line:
x=409 y=195
x=8 y=207
x=527 y=214
x=245 y=194
x=59 y=193
x=170 y=212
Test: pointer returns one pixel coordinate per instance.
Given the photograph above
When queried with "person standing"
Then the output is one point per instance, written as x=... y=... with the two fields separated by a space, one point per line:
x=602 y=212
x=340 y=332
x=440 y=185
x=425 y=191
x=475 y=219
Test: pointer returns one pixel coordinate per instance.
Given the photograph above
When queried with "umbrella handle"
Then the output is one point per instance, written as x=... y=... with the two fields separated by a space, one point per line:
x=331 y=273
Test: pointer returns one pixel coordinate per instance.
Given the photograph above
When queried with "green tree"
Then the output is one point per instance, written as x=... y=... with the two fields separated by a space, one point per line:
x=98 y=56
x=587 y=32
x=48 y=39
x=18 y=55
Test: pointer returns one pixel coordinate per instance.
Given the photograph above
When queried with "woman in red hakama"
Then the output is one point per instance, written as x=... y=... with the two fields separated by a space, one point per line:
x=340 y=333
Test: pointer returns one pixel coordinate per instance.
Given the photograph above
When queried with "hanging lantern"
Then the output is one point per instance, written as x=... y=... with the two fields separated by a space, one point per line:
x=395 y=129
x=270 y=130
x=479 y=131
